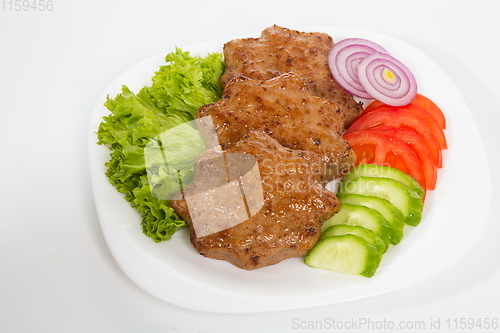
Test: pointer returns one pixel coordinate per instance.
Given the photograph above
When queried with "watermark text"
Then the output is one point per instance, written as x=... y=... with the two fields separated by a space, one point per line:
x=26 y=5
x=367 y=324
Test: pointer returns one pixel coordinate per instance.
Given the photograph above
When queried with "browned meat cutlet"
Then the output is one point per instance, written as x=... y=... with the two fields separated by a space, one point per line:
x=281 y=50
x=286 y=110
x=295 y=205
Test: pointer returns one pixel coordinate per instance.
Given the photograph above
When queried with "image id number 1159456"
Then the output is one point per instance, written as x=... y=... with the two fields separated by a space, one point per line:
x=27 y=5
x=472 y=323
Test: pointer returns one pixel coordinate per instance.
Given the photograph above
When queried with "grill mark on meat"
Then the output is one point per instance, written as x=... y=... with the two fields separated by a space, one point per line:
x=255 y=260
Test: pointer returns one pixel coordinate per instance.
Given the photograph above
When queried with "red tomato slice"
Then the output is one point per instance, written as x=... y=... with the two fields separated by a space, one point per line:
x=373 y=105
x=400 y=118
x=432 y=108
x=421 y=101
x=429 y=119
x=373 y=147
x=417 y=143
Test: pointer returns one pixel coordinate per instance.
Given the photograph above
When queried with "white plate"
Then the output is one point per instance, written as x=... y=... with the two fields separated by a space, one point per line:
x=175 y=273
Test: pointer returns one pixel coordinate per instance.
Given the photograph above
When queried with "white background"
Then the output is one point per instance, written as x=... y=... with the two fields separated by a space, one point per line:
x=56 y=271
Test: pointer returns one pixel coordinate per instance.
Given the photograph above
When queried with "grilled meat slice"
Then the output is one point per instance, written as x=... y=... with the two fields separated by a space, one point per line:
x=294 y=206
x=281 y=50
x=286 y=110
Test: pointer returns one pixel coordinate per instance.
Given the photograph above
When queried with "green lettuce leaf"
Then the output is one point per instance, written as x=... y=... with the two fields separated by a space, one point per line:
x=187 y=82
x=157 y=118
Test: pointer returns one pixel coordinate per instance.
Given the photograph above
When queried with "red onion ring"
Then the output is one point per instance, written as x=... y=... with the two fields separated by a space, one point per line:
x=387 y=79
x=344 y=59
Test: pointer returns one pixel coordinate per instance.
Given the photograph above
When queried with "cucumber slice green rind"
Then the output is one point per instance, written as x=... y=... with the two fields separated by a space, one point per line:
x=373 y=170
x=362 y=216
x=349 y=254
x=400 y=195
x=366 y=234
x=392 y=214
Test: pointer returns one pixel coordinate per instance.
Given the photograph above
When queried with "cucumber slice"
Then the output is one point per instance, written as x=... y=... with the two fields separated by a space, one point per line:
x=392 y=214
x=406 y=200
x=362 y=216
x=373 y=170
x=366 y=234
x=346 y=254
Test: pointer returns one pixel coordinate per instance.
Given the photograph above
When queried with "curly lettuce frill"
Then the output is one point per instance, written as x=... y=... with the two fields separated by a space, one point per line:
x=177 y=91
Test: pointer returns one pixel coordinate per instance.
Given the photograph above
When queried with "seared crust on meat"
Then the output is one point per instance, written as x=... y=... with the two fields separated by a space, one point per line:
x=286 y=110
x=281 y=50
x=295 y=205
